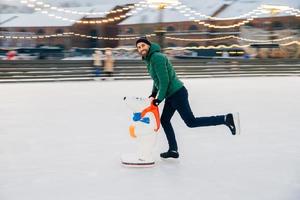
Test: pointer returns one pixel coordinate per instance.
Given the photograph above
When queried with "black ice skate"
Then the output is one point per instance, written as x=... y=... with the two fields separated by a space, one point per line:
x=169 y=154
x=232 y=121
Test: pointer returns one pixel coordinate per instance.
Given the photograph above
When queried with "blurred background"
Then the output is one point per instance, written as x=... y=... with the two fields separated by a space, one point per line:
x=187 y=30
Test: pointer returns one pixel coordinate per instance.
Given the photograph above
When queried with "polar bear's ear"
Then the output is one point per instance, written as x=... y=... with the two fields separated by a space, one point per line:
x=130 y=103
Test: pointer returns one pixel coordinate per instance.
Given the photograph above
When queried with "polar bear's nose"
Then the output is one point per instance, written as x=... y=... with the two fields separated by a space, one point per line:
x=124 y=98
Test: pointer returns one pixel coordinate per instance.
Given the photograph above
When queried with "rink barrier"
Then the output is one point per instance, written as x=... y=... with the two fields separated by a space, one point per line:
x=63 y=70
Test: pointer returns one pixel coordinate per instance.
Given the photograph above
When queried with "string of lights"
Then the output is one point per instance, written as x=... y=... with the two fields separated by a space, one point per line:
x=68 y=34
x=178 y=5
x=73 y=34
x=141 y=5
x=200 y=40
x=295 y=13
x=202 y=22
x=209 y=47
x=246 y=21
x=184 y=9
x=263 y=9
x=291 y=43
x=229 y=37
x=295 y=10
x=40 y=4
x=149 y=35
x=294 y=42
x=106 y=20
x=35 y=36
x=110 y=38
x=264 y=41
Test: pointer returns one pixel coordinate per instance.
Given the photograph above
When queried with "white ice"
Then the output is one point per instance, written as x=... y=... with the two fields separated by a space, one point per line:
x=63 y=141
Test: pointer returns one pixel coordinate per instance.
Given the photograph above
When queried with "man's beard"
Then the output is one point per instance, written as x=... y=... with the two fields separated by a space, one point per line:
x=144 y=53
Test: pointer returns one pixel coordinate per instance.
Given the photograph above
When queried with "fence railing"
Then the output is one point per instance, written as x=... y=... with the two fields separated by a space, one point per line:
x=63 y=70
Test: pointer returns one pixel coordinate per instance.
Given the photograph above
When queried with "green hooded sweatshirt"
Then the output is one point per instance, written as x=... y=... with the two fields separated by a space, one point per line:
x=165 y=80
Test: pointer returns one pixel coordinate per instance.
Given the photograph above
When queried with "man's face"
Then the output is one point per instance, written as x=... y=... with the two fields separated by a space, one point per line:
x=143 y=48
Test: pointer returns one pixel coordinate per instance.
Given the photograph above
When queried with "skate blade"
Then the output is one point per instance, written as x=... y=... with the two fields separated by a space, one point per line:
x=236 y=119
x=138 y=165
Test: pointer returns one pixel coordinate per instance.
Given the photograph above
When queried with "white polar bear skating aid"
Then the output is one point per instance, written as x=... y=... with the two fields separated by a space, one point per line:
x=144 y=126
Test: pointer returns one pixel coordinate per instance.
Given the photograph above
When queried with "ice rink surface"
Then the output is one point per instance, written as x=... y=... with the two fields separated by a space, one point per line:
x=63 y=141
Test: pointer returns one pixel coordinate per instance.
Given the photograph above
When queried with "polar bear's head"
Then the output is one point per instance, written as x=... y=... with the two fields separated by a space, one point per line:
x=137 y=104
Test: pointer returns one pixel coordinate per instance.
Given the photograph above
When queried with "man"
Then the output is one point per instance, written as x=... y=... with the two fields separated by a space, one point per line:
x=167 y=86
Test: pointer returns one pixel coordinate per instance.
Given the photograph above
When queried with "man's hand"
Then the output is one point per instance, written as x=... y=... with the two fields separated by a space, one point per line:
x=156 y=102
x=152 y=96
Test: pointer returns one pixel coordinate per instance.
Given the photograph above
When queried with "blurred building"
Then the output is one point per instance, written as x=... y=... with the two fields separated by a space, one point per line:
x=180 y=25
x=39 y=24
x=175 y=24
x=271 y=24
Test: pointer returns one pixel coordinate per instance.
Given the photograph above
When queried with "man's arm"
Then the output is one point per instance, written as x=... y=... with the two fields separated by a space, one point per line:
x=162 y=74
x=154 y=91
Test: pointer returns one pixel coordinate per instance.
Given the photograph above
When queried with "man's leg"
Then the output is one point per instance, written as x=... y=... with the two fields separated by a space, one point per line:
x=168 y=112
x=181 y=103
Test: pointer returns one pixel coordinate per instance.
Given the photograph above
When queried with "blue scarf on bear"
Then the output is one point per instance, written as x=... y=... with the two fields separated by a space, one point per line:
x=138 y=117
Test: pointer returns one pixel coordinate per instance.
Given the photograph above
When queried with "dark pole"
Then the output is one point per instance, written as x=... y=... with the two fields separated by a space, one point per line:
x=160 y=32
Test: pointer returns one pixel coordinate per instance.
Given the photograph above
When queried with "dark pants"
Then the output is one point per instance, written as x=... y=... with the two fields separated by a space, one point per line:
x=179 y=101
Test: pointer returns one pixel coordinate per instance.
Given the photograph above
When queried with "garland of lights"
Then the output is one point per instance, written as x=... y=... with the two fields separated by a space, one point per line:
x=291 y=43
x=201 y=22
x=141 y=5
x=209 y=47
x=40 y=4
x=149 y=35
x=228 y=37
x=252 y=15
x=183 y=9
x=73 y=34
x=68 y=34
x=35 y=36
x=295 y=13
x=179 y=6
x=138 y=6
x=232 y=25
x=226 y=47
x=107 y=20
x=134 y=38
x=258 y=11
x=295 y=10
